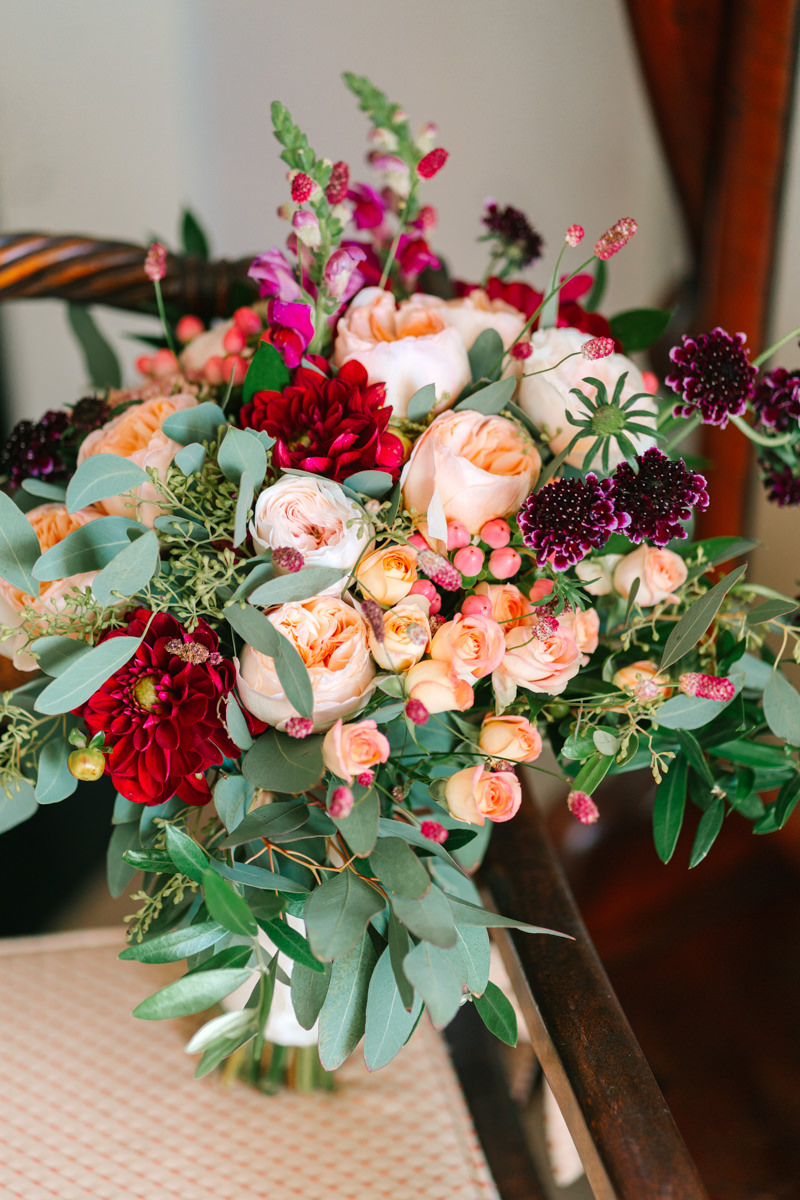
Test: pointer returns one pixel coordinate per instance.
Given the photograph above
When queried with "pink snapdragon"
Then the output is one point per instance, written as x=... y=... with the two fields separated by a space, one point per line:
x=273 y=273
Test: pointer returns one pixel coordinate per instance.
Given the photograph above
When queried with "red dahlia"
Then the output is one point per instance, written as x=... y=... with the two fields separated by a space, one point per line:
x=163 y=712
x=333 y=427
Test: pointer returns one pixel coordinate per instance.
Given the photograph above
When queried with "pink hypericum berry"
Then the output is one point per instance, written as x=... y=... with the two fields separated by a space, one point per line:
x=457 y=535
x=214 y=369
x=469 y=560
x=286 y=558
x=418 y=541
x=189 y=327
x=416 y=712
x=302 y=187
x=432 y=163
x=144 y=364
x=599 y=347
x=504 y=563
x=439 y=569
x=336 y=191
x=583 y=807
x=434 y=831
x=237 y=367
x=521 y=350
x=707 y=687
x=164 y=363
x=477 y=606
x=340 y=804
x=615 y=238
x=365 y=778
x=373 y=613
x=574 y=235
x=248 y=320
x=234 y=340
x=155 y=263
x=540 y=589
x=299 y=727
x=424 y=587
x=496 y=533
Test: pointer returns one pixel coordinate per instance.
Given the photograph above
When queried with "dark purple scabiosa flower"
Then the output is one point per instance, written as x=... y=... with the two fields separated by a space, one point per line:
x=516 y=240
x=657 y=496
x=713 y=374
x=568 y=518
x=34 y=448
x=781 y=481
x=776 y=400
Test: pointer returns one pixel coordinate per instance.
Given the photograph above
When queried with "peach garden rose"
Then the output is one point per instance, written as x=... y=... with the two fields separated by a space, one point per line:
x=660 y=574
x=349 y=750
x=476 y=795
x=388 y=573
x=510 y=737
x=406 y=635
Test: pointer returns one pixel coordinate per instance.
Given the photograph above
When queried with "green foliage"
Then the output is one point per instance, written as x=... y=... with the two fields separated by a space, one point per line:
x=102 y=476
x=696 y=620
x=101 y=363
x=438 y=977
x=191 y=994
x=54 y=781
x=309 y=989
x=398 y=868
x=486 y=355
x=177 y=944
x=782 y=708
x=90 y=547
x=242 y=452
x=283 y=589
x=88 y=673
x=19 y=547
x=185 y=853
x=199 y=424
x=429 y=916
x=639 y=328
x=337 y=913
x=388 y=1024
x=376 y=484
x=360 y=828
x=257 y=631
x=491 y=399
x=130 y=571
x=342 y=1018
x=669 y=808
x=497 y=1013
x=226 y=905
x=286 y=764
x=17 y=804
x=421 y=403
x=287 y=939
x=193 y=236
x=267 y=372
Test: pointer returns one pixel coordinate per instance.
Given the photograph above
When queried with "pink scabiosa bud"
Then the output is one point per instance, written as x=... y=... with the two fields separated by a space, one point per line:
x=299 y=727
x=434 y=831
x=432 y=163
x=340 y=804
x=521 y=350
x=546 y=627
x=646 y=691
x=615 y=238
x=574 y=235
x=155 y=263
x=287 y=559
x=583 y=807
x=365 y=779
x=439 y=570
x=302 y=187
x=707 y=687
x=469 y=560
x=189 y=327
x=336 y=191
x=598 y=347
x=416 y=712
x=426 y=219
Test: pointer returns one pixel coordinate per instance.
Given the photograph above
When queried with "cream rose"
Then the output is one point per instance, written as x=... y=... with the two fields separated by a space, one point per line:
x=388 y=573
x=349 y=750
x=407 y=635
x=136 y=435
x=436 y=684
x=510 y=737
x=660 y=574
x=540 y=664
x=476 y=795
x=405 y=348
x=474 y=646
x=314 y=516
x=51 y=524
x=547 y=398
x=597 y=574
x=331 y=638
x=472 y=314
x=478 y=467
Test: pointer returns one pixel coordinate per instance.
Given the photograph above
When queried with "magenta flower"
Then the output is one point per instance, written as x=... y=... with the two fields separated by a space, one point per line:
x=290 y=329
x=657 y=497
x=273 y=273
x=342 y=278
x=776 y=400
x=414 y=256
x=568 y=518
x=713 y=375
x=369 y=206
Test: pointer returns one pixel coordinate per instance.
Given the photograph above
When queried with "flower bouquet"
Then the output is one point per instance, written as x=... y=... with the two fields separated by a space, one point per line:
x=315 y=589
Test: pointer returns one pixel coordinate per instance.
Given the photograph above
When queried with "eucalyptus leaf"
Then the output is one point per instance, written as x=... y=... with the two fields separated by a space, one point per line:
x=236 y=723
x=399 y=946
x=337 y=913
x=254 y=876
x=696 y=620
x=199 y=424
x=44 y=490
x=668 y=809
x=771 y=610
x=54 y=781
x=177 y=944
x=119 y=873
x=467 y=913
x=388 y=1024
x=436 y=977
x=343 y=1015
x=429 y=917
x=90 y=547
x=86 y=675
x=490 y=400
x=19 y=547
x=191 y=458
x=421 y=403
x=485 y=354
x=232 y=796
x=130 y=571
x=55 y=654
x=375 y=484
x=191 y=994
x=268 y=821
x=259 y=632
x=244 y=502
x=360 y=827
x=639 y=328
x=782 y=708
x=399 y=870
x=689 y=712
x=475 y=952
x=309 y=581
x=18 y=805
x=309 y=989
x=228 y=1025
x=497 y=1013
x=291 y=943
x=285 y=764
x=101 y=476
x=605 y=741
x=241 y=452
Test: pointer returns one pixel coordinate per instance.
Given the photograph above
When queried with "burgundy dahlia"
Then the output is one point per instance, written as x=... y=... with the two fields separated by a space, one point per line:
x=333 y=427
x=657 y=497
x=162 y=714
x=569 y=518
x=776 y=400
x=713 y=374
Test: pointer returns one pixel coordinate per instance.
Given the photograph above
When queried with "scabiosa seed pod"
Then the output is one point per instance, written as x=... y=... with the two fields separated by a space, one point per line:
x=299 y=727
x=155 y=263
x=416 y=712
x=432 y=163
x=340 y=804
x=434 y=831
x=439 y=570
x=339 y=182
x=574 y=235
x=615 y=238
x=583 y=807
x=707 y=687
x=598 y=347
x=374 y=615
x=286 y=558
x=302 y=187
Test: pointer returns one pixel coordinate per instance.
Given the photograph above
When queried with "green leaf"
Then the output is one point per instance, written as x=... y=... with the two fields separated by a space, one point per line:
x=18 y=806
x=232 y=796
x=485 y=354
x=230 y=956
x=708 y=827
x=309 y=989
x=429 y=917
x=101 y=476
x=191 y=458
x=467 y=913
x=605 y=742
x=492 y=399
x=475 y=952
x=259 y=632
x=236 y=724
x=130 y=571
x=227 y=1026
x=193 y=237
x=337 y=913
x=253 y=876
x=360 y=828
x=283 y=589
x=639 y=328
x=388 y=1024
x=398 y=868
x=436 y=977
x=119 y=873
x=717 y=550
x=668 y=809
x=44 y=490
x=125 y=810
x=244 y=502
x=593 y=771
x=343 y=1015
x=292 y=944
x=222 y=1048
x=100 y=361
x=191 y=994
x=156 y=861
x=497 y=1013
x=90 y=547
x=694 y=755
x=399 y=946
x=421 y=403
x=771 y=610
x=227 y=906
x=19 y=547
x=689 y=712
x=242 y=452
x=199 y=424
x=778 y=813
x=270 y=821
x=54 y=781
x=388 y=827
x=696 y=620
x=286 y=764
x=177 y=944
x=186 y=854
x=595 y=297
x=375 y=484
x=55 y=654
x=91 y=670
x=782 y=708
x=267 y=372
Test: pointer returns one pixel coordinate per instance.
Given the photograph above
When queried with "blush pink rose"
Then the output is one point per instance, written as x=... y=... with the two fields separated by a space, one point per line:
x=476 y=795
x=660 y=572
x=474 y=645
x=406 y=635
x=474 y=313
x=388 y=573
x=436 y=684
x=541 y=664
x=479 y=467
x=510 y=737
x=510 y=607
x=349 y=750
x=585 y=627
x=405 y=348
